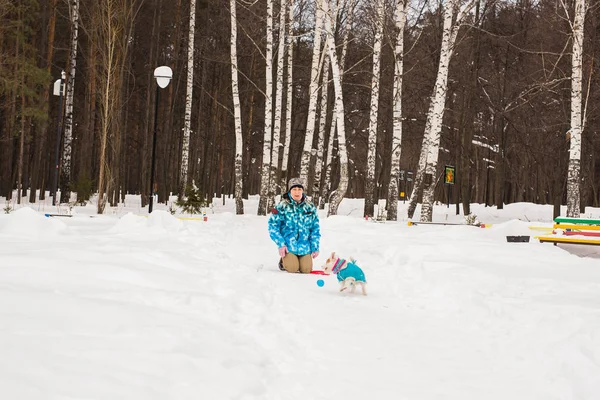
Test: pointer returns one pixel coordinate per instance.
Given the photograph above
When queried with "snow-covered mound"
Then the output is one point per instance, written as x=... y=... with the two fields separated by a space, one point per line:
x=157 y=222
x=28 y=222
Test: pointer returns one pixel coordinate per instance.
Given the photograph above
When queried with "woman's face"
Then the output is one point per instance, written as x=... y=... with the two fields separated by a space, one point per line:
x=296 y=193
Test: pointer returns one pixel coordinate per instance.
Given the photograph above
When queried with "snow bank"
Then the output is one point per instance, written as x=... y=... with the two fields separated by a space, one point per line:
x=157 y=222
x=513 y=227
x=28 y=222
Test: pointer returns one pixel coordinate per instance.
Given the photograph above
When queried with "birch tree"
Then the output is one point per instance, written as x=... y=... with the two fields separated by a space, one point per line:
x=393 y=188
x=266 y=158
x=373 y=114
x=321 y=130
x=185 y=148
x=426 y=174
x=65 y=180
x=338 y=195
x=326 y=185
x=237 y=112
x=574 y=169
x=313 y=91
x=289 y=93
x=278 y=101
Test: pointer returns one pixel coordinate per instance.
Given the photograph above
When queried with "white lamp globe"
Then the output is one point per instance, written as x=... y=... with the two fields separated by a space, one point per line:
x=163 y=76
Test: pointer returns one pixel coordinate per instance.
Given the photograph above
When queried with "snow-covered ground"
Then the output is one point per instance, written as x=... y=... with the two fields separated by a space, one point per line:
x=120 y=306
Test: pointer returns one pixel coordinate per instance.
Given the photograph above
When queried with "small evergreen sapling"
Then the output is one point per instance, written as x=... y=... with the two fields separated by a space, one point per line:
x=193 y=200
x=84 y=187
x=471 y=219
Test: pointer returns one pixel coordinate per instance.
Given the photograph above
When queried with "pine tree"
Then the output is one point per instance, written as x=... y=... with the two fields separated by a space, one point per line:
x=193 y=201
x=22 y=80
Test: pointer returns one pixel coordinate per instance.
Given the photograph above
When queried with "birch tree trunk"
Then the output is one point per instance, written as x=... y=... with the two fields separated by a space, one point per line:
x=321 y=130
x=313 y=91
x=187 y=124
x=290 y=94
x=574 y=169
x=373 y=114
x=338 y=195
x=65 y=180
x=266 y=159
x=426 y=173
x=393 y=188
x=278 y=104
x=237 y=113
x=326 y=186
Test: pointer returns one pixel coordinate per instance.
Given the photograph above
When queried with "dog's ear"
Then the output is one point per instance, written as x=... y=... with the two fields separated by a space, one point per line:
x=332 y=255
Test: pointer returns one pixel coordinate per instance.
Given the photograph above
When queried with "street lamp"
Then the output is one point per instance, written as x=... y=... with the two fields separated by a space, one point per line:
x=163 y=76
x=59 y=87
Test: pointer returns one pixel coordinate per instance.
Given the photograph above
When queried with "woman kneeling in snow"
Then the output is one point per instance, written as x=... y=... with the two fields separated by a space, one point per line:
x=294 y=227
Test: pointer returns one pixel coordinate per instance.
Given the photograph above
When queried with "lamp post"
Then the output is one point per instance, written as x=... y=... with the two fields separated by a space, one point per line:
x=163 y=76
x=59 y=86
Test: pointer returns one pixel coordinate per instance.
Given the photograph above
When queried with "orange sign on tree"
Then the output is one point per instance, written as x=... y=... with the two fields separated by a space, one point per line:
x=449 y=175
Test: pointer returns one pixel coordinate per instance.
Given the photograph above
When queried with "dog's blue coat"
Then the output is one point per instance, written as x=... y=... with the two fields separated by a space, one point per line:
x=295 y=225
x=351 y=271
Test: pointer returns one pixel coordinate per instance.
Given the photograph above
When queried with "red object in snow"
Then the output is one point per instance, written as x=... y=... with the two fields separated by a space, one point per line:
x=582 y=233
x=318 y=272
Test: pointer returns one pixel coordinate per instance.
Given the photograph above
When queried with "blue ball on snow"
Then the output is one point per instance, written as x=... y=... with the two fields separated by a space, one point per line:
x=320 y=282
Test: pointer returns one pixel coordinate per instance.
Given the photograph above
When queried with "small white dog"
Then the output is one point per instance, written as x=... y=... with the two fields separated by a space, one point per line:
x=348 y=273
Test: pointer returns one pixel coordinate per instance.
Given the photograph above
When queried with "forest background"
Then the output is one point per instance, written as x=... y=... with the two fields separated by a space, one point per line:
x=256 y=82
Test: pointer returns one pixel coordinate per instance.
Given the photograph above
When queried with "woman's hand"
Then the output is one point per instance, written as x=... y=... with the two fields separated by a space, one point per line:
x=315 y=254
x=282 y=251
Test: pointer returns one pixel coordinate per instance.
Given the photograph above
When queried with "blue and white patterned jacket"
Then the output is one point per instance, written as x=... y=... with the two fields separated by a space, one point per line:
x=295 y=225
